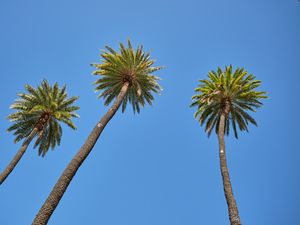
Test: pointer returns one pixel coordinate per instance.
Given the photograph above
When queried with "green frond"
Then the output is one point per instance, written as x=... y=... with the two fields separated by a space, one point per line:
x=237 y=89
x=30 y=113
x=127 y=65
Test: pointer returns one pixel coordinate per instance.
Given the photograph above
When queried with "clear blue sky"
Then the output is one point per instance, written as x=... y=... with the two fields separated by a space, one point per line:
x=159 y=167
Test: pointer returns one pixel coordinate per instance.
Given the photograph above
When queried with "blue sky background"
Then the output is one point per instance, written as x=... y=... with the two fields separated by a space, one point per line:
x=159 y=167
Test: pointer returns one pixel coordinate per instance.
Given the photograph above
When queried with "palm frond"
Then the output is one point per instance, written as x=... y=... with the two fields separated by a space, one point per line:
x=127 y=65
x=236 y=89
x=42 y=108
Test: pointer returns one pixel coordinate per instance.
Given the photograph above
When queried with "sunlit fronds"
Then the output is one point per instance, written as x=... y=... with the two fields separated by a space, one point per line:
x=42 y=108
x=234 y=88
x=127 y=65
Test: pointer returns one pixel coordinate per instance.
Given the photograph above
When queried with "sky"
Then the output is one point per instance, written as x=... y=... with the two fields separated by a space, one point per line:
x=157 y=167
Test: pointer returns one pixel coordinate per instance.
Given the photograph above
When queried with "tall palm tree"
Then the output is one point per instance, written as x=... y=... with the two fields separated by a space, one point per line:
x=125 y=77
x=222 y=101
x=38 y=115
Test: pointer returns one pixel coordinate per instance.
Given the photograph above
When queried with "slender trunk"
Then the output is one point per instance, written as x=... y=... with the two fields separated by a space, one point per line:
x=18 y=156
x=231 y=203
x=63 y=182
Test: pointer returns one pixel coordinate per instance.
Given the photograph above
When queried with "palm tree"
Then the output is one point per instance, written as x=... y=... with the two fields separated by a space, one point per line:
x=222 y=101
x=125 y=77
x=38 y=115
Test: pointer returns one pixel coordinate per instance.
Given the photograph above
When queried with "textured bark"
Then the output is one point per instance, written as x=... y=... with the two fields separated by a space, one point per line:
x=65 y=179
x=231 y=203
x=18 y=156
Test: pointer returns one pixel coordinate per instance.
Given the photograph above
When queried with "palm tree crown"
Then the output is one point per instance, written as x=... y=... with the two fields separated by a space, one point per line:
x=42 y=109
x=128 y=65
x=228 y=92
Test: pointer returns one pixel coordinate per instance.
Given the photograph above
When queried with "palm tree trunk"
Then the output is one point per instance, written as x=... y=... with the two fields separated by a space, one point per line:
x=231 y=203
x=18 y=156
x=63 y=182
